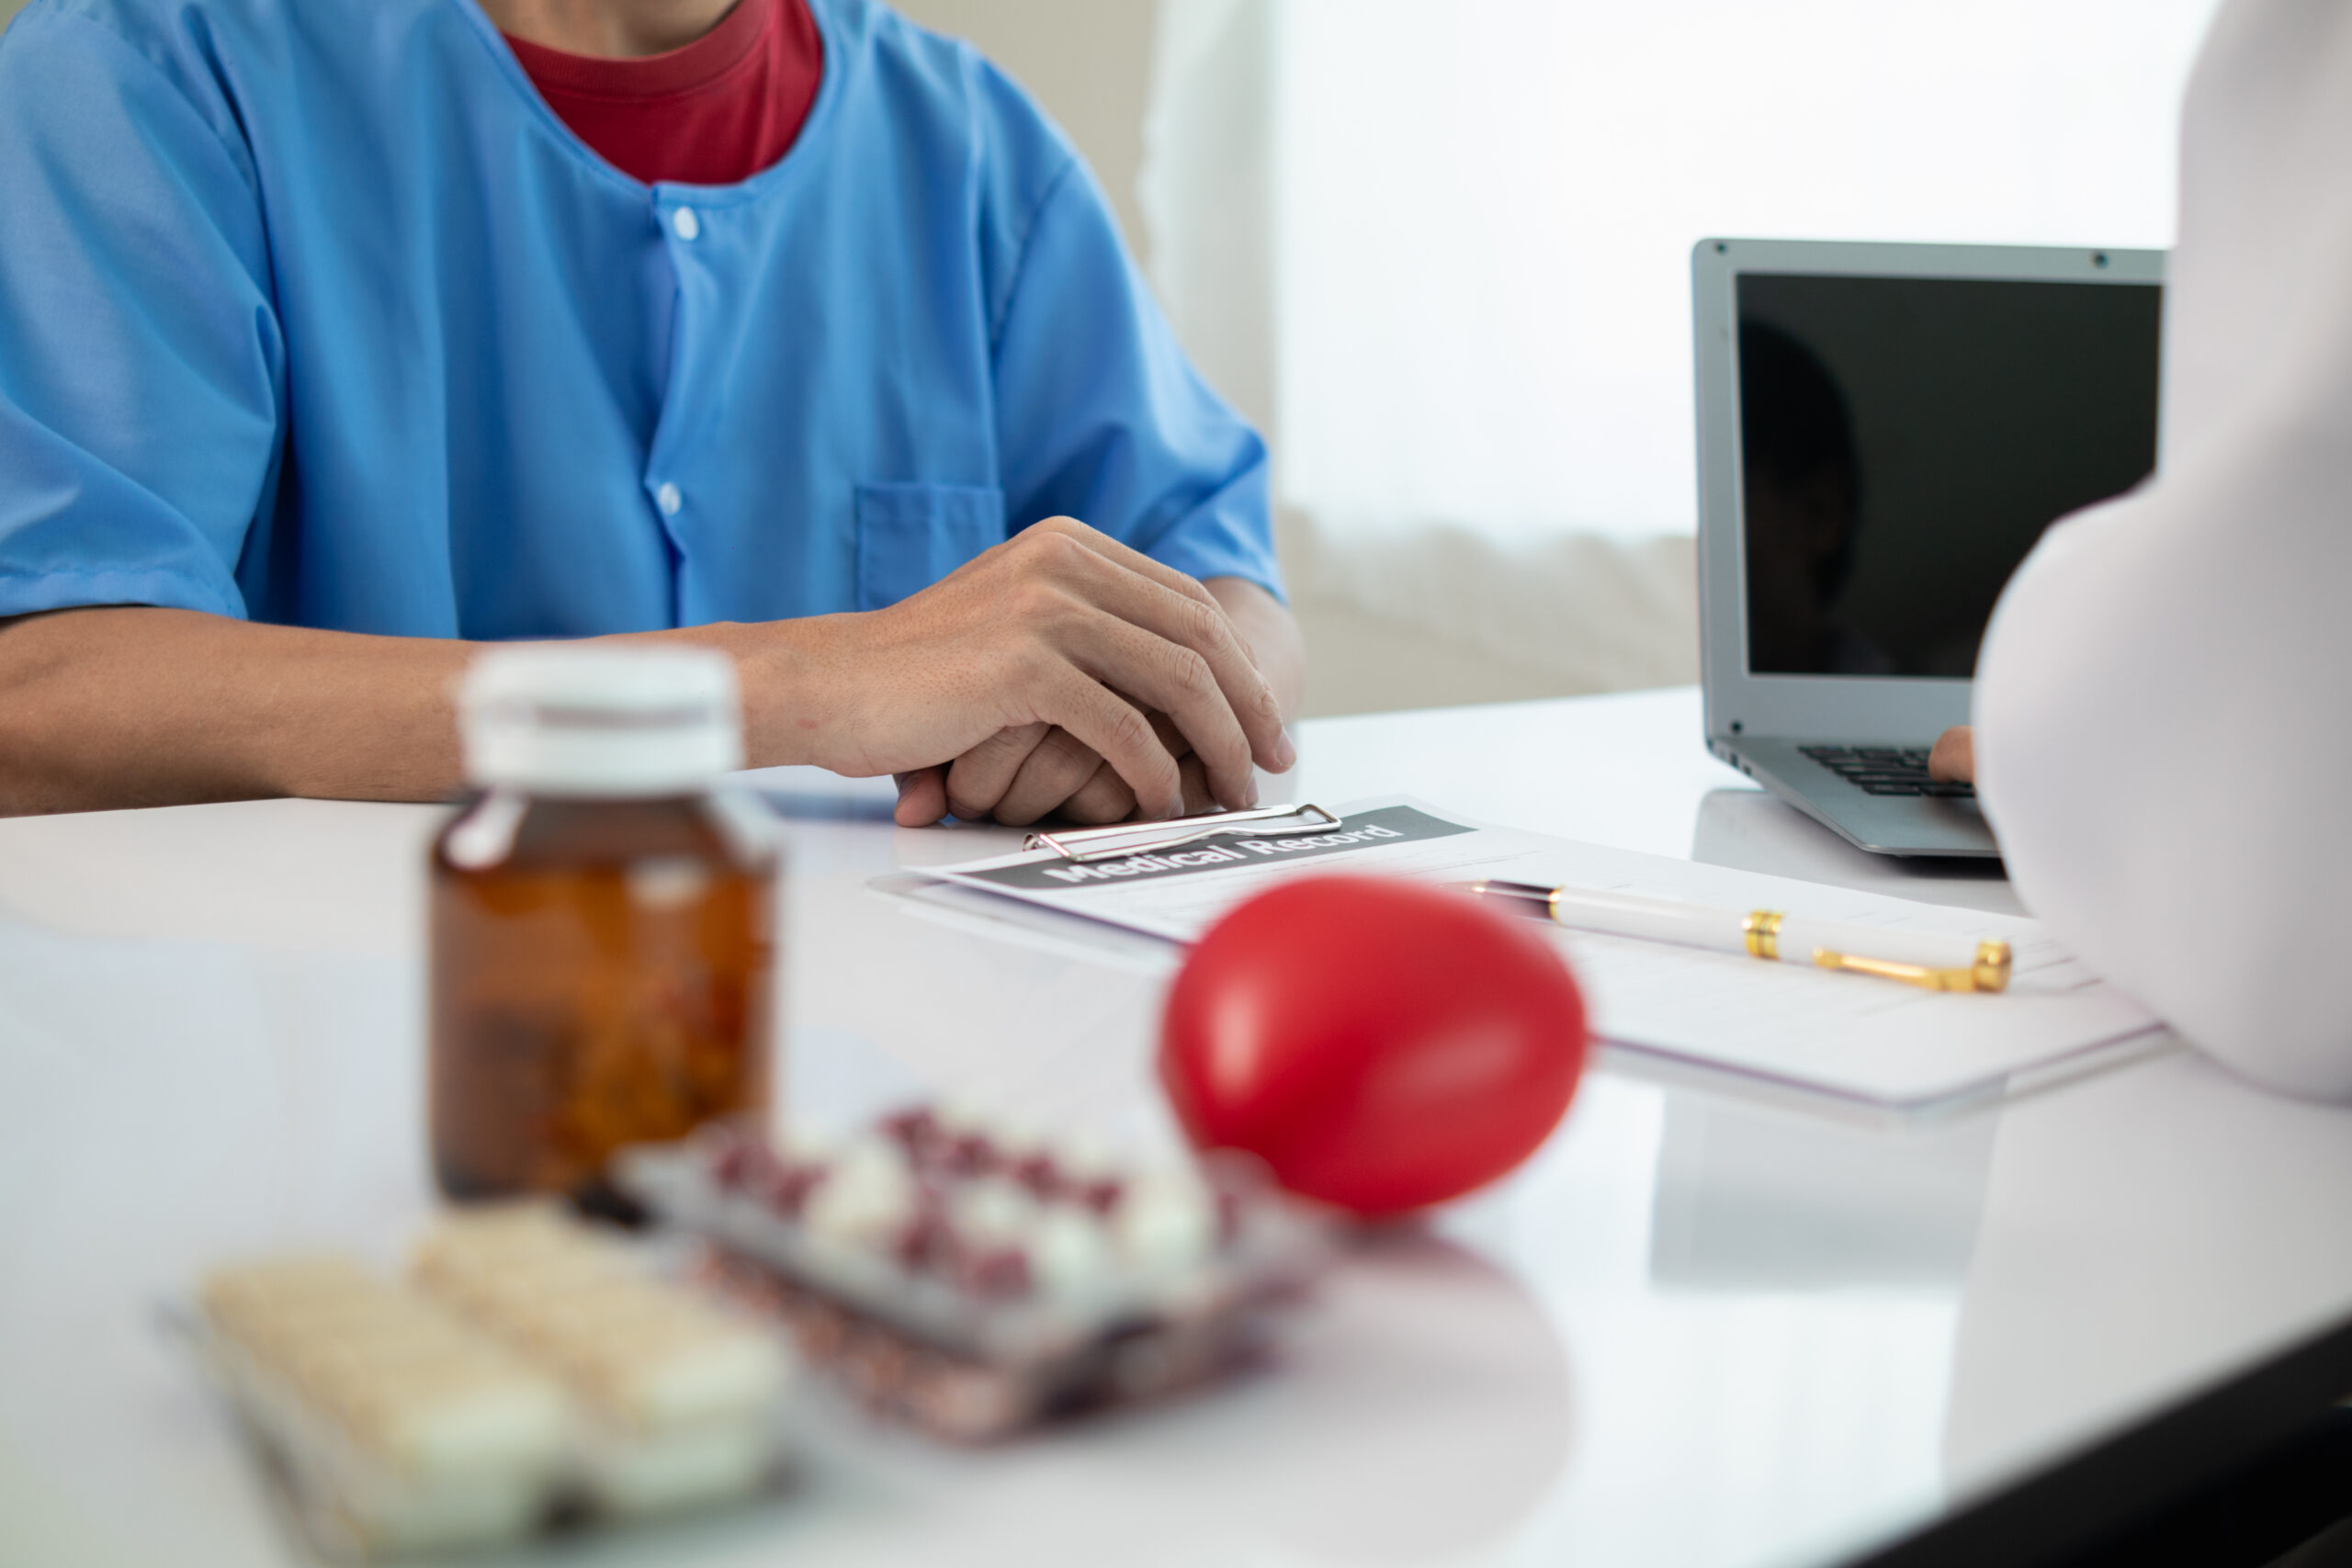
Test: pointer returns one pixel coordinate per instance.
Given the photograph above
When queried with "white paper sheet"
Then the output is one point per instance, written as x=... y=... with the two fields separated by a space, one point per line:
x=1844 y=1034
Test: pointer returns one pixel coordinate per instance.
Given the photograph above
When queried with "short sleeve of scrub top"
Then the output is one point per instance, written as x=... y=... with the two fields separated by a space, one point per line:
x=140 y=368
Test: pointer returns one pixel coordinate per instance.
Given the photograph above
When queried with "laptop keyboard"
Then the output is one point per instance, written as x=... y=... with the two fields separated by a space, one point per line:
x=1886 y=770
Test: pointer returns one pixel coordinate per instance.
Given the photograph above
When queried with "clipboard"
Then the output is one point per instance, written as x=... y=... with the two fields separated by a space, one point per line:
x=1119 y=840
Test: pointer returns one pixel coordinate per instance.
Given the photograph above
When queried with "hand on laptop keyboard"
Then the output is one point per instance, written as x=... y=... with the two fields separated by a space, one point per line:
x=1954 y=759
x=1888 y=770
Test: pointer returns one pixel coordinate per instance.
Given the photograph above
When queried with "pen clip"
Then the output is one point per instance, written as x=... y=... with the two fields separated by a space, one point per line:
x=1989 y=972
x=1082 y=844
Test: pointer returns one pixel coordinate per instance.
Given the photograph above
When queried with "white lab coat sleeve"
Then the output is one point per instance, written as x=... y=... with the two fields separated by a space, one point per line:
x=2164 y=703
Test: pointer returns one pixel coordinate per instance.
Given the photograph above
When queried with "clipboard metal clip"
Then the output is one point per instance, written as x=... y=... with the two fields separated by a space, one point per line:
x=1123 y=839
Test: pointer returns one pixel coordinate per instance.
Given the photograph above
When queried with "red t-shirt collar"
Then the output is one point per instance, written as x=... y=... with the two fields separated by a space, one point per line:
x=686 y=70
x=716 y=112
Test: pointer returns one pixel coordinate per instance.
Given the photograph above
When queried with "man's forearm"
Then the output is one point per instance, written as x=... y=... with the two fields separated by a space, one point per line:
x=133 y=705
x=136 y=706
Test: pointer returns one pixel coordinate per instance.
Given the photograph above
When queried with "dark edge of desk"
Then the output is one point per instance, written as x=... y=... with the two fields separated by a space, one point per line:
x=2099 y=1491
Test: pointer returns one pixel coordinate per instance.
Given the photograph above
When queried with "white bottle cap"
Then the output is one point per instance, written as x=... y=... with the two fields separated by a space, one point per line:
x=585 y=721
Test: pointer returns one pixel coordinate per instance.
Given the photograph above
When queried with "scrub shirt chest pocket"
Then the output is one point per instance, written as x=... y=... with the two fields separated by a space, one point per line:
x=910 y=535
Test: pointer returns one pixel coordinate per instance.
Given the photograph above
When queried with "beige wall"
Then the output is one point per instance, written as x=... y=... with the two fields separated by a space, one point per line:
x=9 y=8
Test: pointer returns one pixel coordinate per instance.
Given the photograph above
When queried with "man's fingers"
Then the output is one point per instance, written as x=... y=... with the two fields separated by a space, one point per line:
x=1106 y=798
x=1058 y=769
x=1162 y=600
x=1178 y=681
x=1954 y=758
x=1198 y=797
x=1169 y=736
x=976 y=780
x=1121 y=734
x=1103 y=798
x=923 y=798
x=1203 y=626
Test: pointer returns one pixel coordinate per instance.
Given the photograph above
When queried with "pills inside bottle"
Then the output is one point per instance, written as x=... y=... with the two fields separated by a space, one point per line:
x=603 y=920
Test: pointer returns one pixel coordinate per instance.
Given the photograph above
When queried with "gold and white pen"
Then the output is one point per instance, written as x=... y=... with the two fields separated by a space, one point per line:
x=1915 y=958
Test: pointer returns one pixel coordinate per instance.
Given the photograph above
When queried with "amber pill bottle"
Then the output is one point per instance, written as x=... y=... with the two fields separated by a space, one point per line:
x=603 y=921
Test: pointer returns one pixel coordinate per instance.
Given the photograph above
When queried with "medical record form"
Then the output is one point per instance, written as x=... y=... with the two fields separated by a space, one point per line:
x=1846 y=1035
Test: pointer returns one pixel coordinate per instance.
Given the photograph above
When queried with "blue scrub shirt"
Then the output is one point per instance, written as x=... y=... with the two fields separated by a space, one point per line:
x=312 y=311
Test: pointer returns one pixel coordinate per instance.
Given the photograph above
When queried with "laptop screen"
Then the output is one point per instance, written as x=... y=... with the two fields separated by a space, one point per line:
x=1903 y=440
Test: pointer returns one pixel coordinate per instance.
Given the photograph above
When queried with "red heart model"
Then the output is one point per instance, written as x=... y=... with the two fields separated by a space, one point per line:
x=1381 y=1044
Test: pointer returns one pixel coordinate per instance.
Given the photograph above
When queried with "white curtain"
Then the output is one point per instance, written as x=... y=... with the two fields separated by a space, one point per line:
x=1443 y=252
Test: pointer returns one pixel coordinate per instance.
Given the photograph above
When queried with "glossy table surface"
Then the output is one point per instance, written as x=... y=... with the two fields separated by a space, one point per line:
x=1699 y=1328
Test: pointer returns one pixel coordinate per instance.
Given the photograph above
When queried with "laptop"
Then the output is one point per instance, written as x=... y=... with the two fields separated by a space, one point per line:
x=1885 y=430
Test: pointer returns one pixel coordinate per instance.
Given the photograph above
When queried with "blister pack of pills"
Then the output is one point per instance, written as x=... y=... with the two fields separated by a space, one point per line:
x=676 y=1400
x=972 y=1280
x=526 y=1372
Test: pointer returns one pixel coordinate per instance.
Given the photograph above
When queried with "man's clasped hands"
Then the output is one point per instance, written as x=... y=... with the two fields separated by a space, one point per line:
x=1062 y=673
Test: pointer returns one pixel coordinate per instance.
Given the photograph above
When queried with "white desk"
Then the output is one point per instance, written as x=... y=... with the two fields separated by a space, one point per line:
x=1695 y=1330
